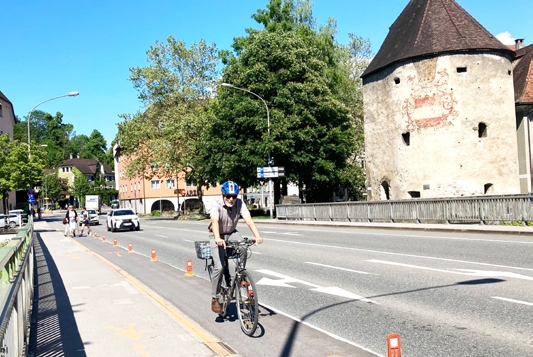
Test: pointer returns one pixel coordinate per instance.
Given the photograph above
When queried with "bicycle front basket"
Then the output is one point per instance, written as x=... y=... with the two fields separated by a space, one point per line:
x=203 y=249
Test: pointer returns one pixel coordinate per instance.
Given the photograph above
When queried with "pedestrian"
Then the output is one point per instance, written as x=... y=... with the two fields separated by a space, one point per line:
x=72 y=217
x=85 y=222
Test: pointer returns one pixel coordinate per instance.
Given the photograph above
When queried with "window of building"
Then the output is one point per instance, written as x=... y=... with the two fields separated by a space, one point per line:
x=154 y=184
x=171 y=183
x=461 y=69
x=190 y=182
x=385 y=191
x=397 y=80
x=414 y=194
x=489 y=188
x=482 y=130
x=1 y=115
x=406 y=138
x=154 y=166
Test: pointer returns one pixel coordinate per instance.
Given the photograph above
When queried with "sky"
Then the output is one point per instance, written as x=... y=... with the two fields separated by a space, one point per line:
x=52 y=47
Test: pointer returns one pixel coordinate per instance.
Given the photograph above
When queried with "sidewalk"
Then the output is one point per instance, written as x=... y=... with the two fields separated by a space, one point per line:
x=83 y=307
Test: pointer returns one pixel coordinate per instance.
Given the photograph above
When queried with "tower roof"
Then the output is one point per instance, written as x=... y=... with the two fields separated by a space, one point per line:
x=429 y=27
x=523 y=75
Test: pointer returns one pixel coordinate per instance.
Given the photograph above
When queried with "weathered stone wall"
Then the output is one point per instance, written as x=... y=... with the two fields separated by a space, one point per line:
x=423 y=122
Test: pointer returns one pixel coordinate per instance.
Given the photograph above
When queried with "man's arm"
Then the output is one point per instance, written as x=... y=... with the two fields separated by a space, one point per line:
x=215 y=227
x=250 y=222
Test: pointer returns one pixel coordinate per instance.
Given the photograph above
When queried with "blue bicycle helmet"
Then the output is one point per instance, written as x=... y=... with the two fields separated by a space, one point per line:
x=230 y=188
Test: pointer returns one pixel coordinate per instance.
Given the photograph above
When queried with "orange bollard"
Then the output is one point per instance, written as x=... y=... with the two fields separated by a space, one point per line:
x=130 y=248
x=189 y=268
x=115 y=242
x=393 y=343
x=95 y=236
x=152 y=255
x=103 y=238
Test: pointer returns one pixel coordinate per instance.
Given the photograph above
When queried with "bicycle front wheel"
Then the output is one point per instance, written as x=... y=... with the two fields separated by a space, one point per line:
x=247 y=303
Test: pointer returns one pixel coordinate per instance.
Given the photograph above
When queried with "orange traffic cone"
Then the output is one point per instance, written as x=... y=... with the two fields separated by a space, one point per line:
x=189 y=268
x=152 y=255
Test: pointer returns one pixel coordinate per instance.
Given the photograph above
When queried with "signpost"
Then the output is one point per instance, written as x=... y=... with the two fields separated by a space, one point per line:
x=269 y=172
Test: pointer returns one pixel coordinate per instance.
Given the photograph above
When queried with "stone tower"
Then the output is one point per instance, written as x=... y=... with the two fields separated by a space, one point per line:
x=439 y=108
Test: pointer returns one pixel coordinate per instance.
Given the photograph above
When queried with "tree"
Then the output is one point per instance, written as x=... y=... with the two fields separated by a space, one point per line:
x=17 y=171
x=95 y=147
x=81 y=186
x=296 y=69
x=51 y=187
x=175 y=89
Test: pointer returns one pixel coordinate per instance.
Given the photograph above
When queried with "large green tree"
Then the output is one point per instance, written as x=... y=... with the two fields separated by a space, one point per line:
x=51 y=187
x=81 y=187
x=297 y=69
x=175 y=89
x=17 y=171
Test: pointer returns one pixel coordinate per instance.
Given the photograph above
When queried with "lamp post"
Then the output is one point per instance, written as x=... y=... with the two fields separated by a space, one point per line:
x=69 y=94
x=270 y=193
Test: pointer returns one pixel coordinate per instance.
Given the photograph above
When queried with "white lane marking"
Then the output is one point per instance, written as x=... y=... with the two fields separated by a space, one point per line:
x=398 y=254
x=80 y=287
x=339 y=268
x=469 y=272
x=320 y=330
x=158 y=235
x=513 y=300
x=187 y=240
x=332 y=290
x=292 y=234
x=269 y=232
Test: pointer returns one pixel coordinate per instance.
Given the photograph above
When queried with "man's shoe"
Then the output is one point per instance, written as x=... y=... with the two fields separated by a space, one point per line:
x=215 y=305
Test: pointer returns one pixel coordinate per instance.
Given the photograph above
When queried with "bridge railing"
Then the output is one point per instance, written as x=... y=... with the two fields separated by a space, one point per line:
x=485 y=209
x=16 y=291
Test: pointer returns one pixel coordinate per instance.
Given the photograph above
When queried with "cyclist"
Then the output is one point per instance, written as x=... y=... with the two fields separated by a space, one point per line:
x=85 y=222
x=225 y=213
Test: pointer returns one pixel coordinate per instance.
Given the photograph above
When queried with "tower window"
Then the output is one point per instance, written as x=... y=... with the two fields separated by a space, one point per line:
x=385 y=191
x=488 y=188
x=414 y=194
x=406 y=138
x=482 y=130
x=461 y=69
x=397 y=80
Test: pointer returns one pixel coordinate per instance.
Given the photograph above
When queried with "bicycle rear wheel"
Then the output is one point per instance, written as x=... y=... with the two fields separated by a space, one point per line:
x=247 y=303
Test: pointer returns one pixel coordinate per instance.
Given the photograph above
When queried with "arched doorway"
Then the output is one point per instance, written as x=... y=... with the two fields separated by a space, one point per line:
x=166 y=206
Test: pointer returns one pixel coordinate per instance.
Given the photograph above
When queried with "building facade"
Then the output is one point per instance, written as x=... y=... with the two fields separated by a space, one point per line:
x=439 y=108
x=7 y=122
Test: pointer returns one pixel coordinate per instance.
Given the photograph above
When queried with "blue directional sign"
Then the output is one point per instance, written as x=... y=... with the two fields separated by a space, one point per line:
x=270 y=171
x=31 y=200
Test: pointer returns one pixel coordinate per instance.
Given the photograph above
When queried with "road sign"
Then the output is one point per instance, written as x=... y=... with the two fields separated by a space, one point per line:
x=31 y=200
x=270 y=171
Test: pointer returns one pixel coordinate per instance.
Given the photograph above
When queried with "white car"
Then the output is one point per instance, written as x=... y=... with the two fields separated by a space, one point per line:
x=11 y=220
x=122 y=219
x=93 y=216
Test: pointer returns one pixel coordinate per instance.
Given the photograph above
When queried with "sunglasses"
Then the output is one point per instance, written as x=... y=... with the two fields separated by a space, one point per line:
x=230 y=196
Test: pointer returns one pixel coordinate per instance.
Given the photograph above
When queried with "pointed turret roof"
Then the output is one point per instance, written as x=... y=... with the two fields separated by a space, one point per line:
x=523 y=75
x=429 y=27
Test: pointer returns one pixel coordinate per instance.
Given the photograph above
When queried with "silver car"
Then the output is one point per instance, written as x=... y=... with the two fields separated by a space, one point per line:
x=12 y=220
x=93 y=217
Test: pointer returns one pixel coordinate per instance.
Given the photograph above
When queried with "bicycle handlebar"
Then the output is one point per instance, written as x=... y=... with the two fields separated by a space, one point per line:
x=247 y=241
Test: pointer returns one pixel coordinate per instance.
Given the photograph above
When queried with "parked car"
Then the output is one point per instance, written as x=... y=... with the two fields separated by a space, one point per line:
x=122 y=219
x=115 y=204
x=93 y=217
x=12 y=221
x=20 y=212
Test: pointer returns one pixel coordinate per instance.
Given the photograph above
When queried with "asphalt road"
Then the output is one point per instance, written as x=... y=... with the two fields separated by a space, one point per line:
x=445 y=294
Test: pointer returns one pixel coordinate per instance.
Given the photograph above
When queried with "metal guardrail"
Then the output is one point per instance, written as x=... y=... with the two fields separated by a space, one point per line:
x=486 y=209
x=16 y=292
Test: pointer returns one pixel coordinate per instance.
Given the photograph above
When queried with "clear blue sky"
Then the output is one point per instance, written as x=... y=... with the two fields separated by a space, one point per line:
x=51 y=47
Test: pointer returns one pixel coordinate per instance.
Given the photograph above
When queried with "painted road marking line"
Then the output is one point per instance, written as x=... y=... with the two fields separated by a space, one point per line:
x=188 y=240
x=397 y=254
x=513 y=300
x=320 y=330
x=469 y=272
x=285 y=280
x=339 y=268
x=292 y=234
x=158 y=235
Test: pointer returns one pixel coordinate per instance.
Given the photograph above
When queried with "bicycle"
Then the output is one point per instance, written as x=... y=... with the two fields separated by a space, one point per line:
x=239 y=288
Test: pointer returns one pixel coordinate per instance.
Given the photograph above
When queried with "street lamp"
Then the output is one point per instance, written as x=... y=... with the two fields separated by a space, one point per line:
x=270 y=193
x=69 y=94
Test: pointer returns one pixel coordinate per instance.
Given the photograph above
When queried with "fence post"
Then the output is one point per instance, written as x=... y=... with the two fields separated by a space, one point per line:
x=417 y=210
x=447 y=212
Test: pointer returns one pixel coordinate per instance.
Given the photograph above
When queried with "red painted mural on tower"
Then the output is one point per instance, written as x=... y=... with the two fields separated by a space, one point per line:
x=429 y=105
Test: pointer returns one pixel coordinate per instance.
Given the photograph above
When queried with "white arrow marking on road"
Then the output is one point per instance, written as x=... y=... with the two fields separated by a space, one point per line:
x=469 y=272
x=513 y=300
x=333 y=290
x=272 y=282
x=339 y=268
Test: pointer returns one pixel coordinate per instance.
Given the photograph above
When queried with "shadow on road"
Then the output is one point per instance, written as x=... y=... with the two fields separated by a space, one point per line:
x=287 y=347
x=54 y=331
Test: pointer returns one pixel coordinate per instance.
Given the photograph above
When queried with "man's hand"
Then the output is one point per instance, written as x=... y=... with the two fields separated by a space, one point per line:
x=258 y=240
x=220 y=242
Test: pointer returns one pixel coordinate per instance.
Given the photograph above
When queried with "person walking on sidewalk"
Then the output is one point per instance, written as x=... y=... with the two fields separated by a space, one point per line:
x=72 y=217
x=85 y=222
x=225 y=213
